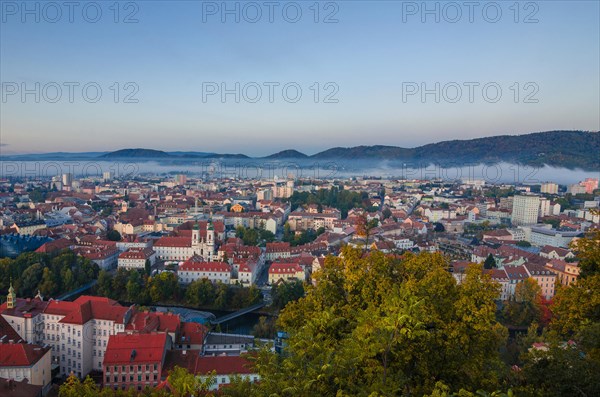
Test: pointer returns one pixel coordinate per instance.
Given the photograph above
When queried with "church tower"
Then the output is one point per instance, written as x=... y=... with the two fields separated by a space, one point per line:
x=195 y=235
x=210 y=239
x=11 y=298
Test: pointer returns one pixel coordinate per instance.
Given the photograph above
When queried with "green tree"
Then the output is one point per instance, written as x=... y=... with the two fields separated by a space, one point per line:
x=134 y=286
x=73 y=387
x=200 y=293
x=119 y=283
x=577 y=306
x=48 y=287
x=381 y=325
x=30 y=279
x=525 y=308
x=185 y=384
x=163 y=287
x=588 y=252
x=490 y=262
x=113 y=235
x=265 y=328
x=286 y=292
x=222 y=296
x=105 y=284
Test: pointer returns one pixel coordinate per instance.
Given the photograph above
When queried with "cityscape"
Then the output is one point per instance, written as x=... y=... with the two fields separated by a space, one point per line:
x=245 y=198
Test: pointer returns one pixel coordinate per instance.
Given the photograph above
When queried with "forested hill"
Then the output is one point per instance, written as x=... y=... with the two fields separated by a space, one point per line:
x=563 y=149
x=569 y=149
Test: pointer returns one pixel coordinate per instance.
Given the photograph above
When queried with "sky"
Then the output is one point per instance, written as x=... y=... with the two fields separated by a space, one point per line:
x=259 y=77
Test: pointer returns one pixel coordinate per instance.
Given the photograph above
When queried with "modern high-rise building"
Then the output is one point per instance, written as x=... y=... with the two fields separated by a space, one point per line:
x=181 y=179
x=107 y=176
x=525 y=210
x=67 y=179
x=590 y=184
x=545 y=209
x=549 y=188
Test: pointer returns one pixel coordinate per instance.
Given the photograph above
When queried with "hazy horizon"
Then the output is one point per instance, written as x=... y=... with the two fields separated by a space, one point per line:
x=250 y=154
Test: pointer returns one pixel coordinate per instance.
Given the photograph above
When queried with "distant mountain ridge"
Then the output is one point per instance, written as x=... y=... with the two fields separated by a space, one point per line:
x=566 y=149
x=287 y=154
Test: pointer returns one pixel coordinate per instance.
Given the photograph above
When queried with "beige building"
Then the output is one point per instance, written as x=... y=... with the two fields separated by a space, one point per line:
x=286 y=272
x=19 y=361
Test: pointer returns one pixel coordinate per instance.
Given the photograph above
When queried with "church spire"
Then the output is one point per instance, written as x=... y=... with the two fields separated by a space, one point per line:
x=11 y=298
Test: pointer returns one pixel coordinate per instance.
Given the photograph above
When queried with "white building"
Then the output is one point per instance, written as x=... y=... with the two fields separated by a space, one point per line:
x=135 y=258
x=525 y=210
x=76 y=332
x=545 y=207
x=195 y=269
x=182 y=248
x=545 y=235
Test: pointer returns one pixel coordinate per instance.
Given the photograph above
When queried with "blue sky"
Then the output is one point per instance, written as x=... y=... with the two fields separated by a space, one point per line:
x=370 y=57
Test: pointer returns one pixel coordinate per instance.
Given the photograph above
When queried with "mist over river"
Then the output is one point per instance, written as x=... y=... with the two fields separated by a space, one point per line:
x=294 y=168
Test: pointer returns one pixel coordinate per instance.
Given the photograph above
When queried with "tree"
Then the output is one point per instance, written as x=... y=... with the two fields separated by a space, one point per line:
x=438 y=228
x=490 y=262
x=562 y=369
x=48 y=287
x=377 y=324
x=113 y=235
x=286 y=292
x=526 y=307
x=577 y=306
x=148 y=267
x=386 y=213
x=200 y=293
x=134 y=286
x=105 y=283
x=163 y=287
x=588 y=251
x=185 y=384
x=265 y=328
x=119 y=282
x=30 y=279
x=222 y=297
x=364 y=227
x=73 y=387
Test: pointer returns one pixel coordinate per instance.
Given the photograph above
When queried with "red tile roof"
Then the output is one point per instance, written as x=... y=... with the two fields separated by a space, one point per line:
x=190 y=266
x=224 y=365
x=126 y=348
x=277 y=247
x=173 y=242
x=85 y=308
x=24 y=307
x=284 y=268
x=192 y=333
x=154 y=321
x=20 y=354
x=7 y=333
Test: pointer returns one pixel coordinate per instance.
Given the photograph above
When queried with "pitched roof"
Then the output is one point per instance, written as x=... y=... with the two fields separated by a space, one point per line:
x=224 y=365
x=284 y=268
x=126 y=348
x=20 y=354
x=190 y=266
x=173 y=242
